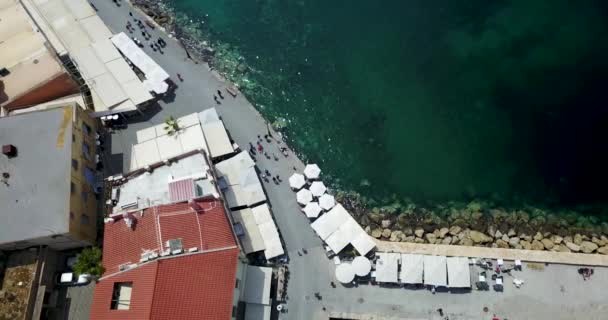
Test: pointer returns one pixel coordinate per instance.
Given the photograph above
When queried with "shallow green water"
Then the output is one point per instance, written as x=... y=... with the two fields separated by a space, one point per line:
x=428 y=99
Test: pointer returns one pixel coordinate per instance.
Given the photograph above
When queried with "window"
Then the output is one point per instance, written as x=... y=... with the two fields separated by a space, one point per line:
x=73 y=138
x=121 y=296
x=236 y=285
x=84 y=219
x=74 y=164
x=85 y=127
x=72 y=187
x=86 y=151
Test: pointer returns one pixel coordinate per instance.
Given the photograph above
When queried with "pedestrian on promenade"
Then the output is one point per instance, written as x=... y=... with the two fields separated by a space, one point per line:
x=260 y=148
x=130 y=13
x=267 y=172
x=220 y=94
x=179 y=76
x=275 y=157
x=279 y=178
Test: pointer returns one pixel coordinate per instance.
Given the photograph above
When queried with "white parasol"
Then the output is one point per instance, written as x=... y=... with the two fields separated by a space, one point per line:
x=297 y=181
x=345 y=273
x=327 y=201
x=304 y=196
x=317 y=188
x=312 y=209
x=312 y=171
x=361 y=266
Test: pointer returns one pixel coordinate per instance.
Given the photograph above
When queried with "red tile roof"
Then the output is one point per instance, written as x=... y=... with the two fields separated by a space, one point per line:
x=190 y=287
x=187 y=286
x=206 y=229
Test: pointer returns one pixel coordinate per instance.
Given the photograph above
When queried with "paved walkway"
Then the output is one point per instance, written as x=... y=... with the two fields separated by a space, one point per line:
x=495 y=253
x=313 y=272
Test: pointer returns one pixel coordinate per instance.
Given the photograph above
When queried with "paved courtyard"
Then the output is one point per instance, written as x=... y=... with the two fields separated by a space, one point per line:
x=558 y=292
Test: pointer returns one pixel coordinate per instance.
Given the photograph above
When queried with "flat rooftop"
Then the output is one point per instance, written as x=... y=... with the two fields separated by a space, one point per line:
x=23 y=52
x=35 y=197
x=17 y=285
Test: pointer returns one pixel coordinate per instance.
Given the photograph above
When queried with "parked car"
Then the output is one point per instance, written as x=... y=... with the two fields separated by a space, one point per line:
x=70 y=279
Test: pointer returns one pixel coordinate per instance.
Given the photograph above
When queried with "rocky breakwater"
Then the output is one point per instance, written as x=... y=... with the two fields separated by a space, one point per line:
x=476 y=224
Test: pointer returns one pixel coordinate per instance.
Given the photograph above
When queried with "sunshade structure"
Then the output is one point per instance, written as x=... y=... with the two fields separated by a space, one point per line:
x=387 y=267
x=312 y=209
x=297 y=181
x=259 y=231
x=412 y=267
x=312 y=171
x=215 y=133
x=239 y=181
x=327 y=201
x=317 y=188
x=435 y=271
x=459 y=273
x=345 y=273
x=304 y=196
x=361 y=266
x=338 y=229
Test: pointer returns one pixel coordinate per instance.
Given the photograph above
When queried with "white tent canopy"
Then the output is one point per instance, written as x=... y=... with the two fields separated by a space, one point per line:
x=317 y=188
x=297 y=181
x=340 y=238
x=312 y=209
x=304 y=196
x=459 y=273
x=330 y=222
x=345 y=273
x=361 y=266
x=411 y=268
x=327 y=201
x=435 y=271
x=387 y=267
x=363 y=243
x=312 y=171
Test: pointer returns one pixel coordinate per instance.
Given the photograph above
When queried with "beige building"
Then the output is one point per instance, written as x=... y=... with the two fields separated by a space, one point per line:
x=48 y=178
x=24 y=52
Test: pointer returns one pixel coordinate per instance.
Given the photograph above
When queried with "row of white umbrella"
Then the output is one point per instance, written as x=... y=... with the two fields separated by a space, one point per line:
x=317 y=189
x=346 y=272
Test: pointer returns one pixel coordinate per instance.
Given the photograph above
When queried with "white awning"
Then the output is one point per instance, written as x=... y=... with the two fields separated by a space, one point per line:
x=361 y=266
x=459 y=273
x=412 y=268
x=257 y=285
x=312 y=209
x=317 y=188
x=252 y=240
x=435 y=271
x=304 y=196
x=216 y=136
x=252 y=187
x=270 y=234
x=345 y=273
x=312 y=171
x=363 y=243
x=387 y=266
x=327 y=201
x=230 y=169
x=261 y=214
x=297 y=181
x=338 y=240
x=325 y=225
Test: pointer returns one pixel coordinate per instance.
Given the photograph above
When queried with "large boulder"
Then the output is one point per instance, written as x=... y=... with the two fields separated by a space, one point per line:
x=562 y=248
x=368 y=229
x=557 y=239
x=497 y=234
x=431 y=238
x=419 y=232
x=491 y=230
x=578 y=239
x=502 y=244
x=386 y=224
x=443 y=232
x=598 y=241
x=511 y=232
x=377 y=233
x=466 y=242
x=537 y=245
x=588 y=246
x=603 y=250
x=408 y=239
x=479 y=237
x=505 y=238
x=446 y=240
x=548 y=244
x=538 y=236
x=455 y=230
x=526 y=237
x=514 y=242
x=408 y=231
x=573 y=246
x=418 y=240
x=386 y=233
x=376 y=217
x=525 y=245
x=567 y=239
x=396 y=236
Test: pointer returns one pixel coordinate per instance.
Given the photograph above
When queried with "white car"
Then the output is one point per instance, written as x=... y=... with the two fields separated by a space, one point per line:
x=69 y=279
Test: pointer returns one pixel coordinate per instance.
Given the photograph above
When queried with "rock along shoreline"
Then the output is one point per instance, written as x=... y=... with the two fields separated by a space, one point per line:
x=472 y=224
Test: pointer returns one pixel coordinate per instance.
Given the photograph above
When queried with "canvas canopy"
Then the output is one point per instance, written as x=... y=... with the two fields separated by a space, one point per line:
x=412 y=268
x=459 y=273
x=361 y=266
x=304 y=196
x=312 y=209
x=317 y=188
x=435 y=271
x=325 y=225
x=363 y=243
x=345 y=273
x=340 y=238
x=297 y=181
x=312 y=171
x=327 y=202
x=387 y=267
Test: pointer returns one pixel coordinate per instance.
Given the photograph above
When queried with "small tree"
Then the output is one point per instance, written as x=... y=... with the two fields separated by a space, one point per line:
x=89 y=262
x=171 y=125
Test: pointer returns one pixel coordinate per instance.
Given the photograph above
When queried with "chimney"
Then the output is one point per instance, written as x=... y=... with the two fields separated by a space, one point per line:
x=9 y=150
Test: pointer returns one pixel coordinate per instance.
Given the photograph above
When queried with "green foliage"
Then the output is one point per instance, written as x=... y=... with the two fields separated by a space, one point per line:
x=171 y=126
x=89 y=262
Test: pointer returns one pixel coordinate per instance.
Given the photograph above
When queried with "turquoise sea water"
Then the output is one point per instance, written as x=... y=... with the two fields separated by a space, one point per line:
x=436 y=100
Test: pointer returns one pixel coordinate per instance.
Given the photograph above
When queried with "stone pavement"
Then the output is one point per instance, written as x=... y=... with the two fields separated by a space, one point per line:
x=495 y=253
x=313 y=272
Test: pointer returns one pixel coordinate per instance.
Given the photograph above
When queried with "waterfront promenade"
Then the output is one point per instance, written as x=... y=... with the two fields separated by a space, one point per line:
x=542 y=296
